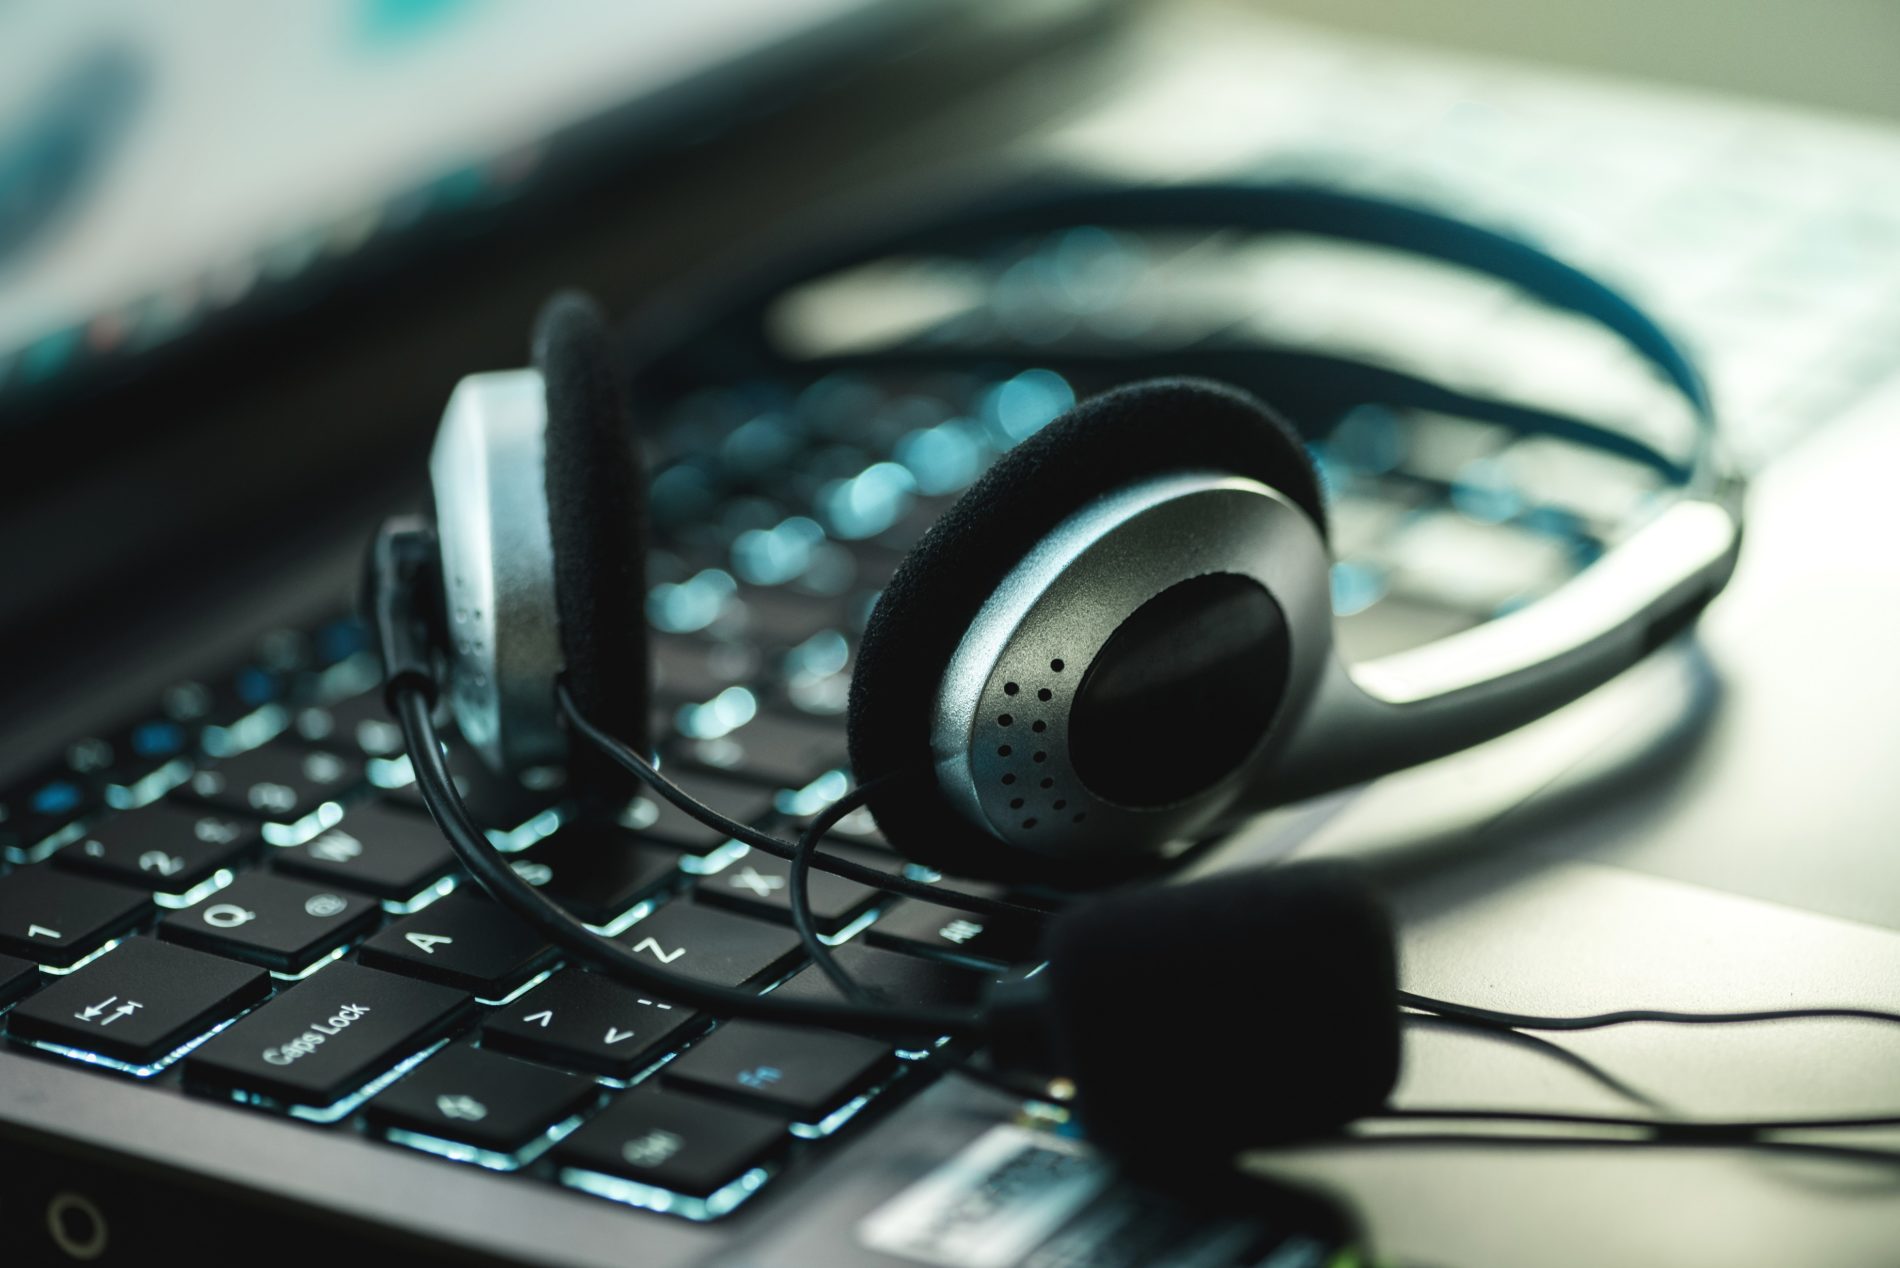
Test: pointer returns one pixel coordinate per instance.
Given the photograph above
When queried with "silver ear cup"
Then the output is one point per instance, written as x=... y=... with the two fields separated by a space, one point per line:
x=488 y=469
x=1028 y=672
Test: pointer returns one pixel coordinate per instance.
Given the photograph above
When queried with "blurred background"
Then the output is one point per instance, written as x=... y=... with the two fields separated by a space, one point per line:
x=244 y=254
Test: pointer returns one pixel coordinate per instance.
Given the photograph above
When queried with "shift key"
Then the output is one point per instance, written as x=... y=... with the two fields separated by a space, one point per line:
x=327 y=1036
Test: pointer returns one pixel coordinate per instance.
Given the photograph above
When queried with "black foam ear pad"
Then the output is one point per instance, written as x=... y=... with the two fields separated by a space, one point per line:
x=596 y=493
x=1128 y=434
x=1286 y=978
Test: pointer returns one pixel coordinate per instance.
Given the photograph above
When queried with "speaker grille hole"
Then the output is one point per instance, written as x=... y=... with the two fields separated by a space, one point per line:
x=1009 y=779
x=1079 y=816
x=1039 y=726
x=1029 y=823
x=1045 y=695
x=1061 y=805
x=1015 y=803
x=1003 y=750
x=1048 y=783
x=1010 y=689
x=1041 y=757
x=1004 y=719
x=1056 y=664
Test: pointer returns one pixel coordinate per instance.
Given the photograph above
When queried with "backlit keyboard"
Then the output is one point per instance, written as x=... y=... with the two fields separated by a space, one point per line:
x=237 y=896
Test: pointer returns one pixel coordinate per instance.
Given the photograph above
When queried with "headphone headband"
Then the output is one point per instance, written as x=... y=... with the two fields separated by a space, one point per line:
x=1413 y=706
x=733 y=314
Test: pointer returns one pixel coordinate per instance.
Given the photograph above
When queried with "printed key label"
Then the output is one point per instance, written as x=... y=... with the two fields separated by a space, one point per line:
x=215 y=831
x=960 y=931
x=323 y=906
x=336 y=846
x=94 y=1012
x=228 y=916
x=312 y=1039
x=652 y=1149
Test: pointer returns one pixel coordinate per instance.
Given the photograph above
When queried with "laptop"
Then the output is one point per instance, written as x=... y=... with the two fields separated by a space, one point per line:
x=202 y=790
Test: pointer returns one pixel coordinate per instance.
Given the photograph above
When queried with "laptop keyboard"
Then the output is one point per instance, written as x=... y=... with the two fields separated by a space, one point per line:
x=238 y=896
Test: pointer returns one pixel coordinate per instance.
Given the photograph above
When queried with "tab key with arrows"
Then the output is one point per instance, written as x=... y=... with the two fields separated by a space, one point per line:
x=140 y=1002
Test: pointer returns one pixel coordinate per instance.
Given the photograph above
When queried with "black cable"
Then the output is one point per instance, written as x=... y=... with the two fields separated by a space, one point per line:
x=1732 y=1131
x=798 y=897
x=798 y=894
x=1543 y=1047
x=629 y=759
x=1673 y=1129
x=1596 y=1021
x=413 y=707
x=1468 y=1140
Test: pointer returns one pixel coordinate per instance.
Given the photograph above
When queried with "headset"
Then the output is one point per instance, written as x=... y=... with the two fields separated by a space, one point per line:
x=1116 y=644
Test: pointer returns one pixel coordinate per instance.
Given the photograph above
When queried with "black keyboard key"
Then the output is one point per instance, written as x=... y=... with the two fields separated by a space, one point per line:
x=280 y=784
x=598 y=870
x=139 y=1002
x=679 y=1143
x=55 y=918
x=282 y=924
x=781 y=752
x=359 y=725
x=339 y=640
x=148 y=760
x=588 y=1022
x=166 y=848
x=713 y=946
x=464 y=941
x=377 y=850
x=43 y=813
x=857 y=829
x=501 y=805
x=231 y=715
x=791 y=1070
x=482 y=1099
x=17 y=977
x=687 y=669
x=327 y=1036
x=760 y=885
x=816 y=674
x=905 y=980
x=654 y=817
x=961 y=937
x=783 y=618
x=877 y=564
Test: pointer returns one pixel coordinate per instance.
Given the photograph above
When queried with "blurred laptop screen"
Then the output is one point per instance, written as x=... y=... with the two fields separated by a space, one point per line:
x=160 y=164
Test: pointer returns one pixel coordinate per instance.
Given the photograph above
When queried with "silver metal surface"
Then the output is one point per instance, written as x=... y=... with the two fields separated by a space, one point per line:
x=1061 y=604
x=1716 y=836
x=1413 y=706
x=488 y=470
x=278 y=1163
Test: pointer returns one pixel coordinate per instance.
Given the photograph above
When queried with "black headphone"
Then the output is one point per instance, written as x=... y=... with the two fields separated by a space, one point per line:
x=1119 y=640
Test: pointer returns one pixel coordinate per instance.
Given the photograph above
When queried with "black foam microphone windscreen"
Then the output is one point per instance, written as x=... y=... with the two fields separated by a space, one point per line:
x=1245 y=1009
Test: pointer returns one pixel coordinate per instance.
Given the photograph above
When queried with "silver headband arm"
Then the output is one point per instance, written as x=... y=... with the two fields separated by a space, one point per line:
x=1416 y=705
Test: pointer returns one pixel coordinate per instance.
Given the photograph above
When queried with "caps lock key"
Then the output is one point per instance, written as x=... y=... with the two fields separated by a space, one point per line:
x=327 y=1036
